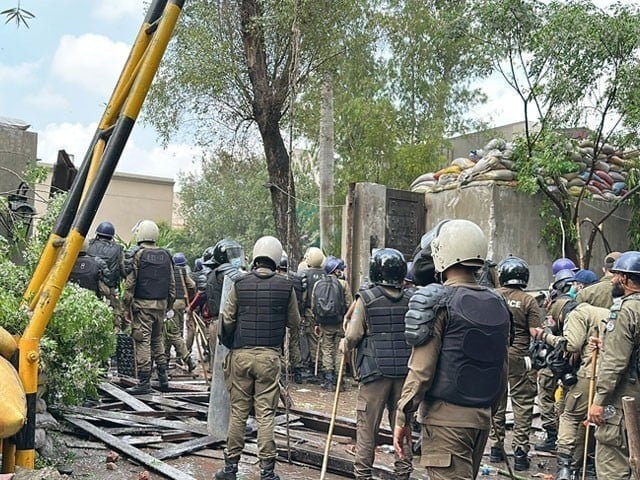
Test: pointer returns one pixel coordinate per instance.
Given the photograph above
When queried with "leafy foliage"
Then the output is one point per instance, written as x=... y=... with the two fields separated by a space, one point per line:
x=18 y=15
x=79 y=336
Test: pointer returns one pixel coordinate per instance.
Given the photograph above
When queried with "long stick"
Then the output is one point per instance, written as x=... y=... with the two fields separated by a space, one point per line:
x=592 y=387
x=325 y=460
x=315 y=371
x=200 y=356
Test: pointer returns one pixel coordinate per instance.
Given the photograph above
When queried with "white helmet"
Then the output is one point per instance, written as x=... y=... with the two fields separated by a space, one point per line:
x=268 y=247
x=459 y=242
x=146 y=231
x=314 y=257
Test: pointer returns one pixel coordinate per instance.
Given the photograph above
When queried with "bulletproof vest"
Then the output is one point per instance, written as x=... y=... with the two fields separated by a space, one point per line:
x=86 y=273
x=179 y=274
x=214 y=291
x=313 y=275
x=474 y=348
x=154 y=273
x=111 y=253
x=263 y=304
x=297 y=287
x=384 y=352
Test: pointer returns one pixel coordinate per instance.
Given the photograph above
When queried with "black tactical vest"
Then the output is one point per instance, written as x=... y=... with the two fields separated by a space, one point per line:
x=154 y=273
x=179 y=274
x=474 y=348
x=297 y=287
x=213 y=290
x=86 y=273
x=384 y=352
x=313 y=275
x=111 y=253
x=263 y=304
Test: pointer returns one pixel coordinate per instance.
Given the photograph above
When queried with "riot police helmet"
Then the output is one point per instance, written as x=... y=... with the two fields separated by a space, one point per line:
x=459 y=242
x=284 y=262
x=207 y=257
x=562 y=263
x=105 y=230
x=513 y=271
x=331 y=264
x=147 y=231
x=562 y=279
x=314 y=257
x=180 y=259
x=387 y=267
x=228 y=251
x=267 y=249
x=629 y=262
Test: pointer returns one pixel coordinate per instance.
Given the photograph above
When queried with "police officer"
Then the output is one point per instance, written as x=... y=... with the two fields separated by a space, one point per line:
x=513 y=275
x=90 y=272
x=104 y=247
x=580 y=324
x=599 y=294
x=376 y=332
x=150 y=291
x=295 y=358
x=259 y=307
x=330 y=330
x=313 y=260
x=185 y=289
x=618 y=370
x=457 y=369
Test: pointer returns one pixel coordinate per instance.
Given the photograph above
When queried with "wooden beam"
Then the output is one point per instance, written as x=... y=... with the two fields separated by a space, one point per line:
x=633 y=433
x=125 y=397
x=144 y=458
x=168 y=402
x=185 y=447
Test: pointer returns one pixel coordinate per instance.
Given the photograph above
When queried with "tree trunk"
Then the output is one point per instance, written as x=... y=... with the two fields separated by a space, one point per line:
x=325 y=157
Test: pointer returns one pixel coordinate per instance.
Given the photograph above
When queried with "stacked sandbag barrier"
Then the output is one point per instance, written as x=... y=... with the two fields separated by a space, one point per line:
x=604 y=177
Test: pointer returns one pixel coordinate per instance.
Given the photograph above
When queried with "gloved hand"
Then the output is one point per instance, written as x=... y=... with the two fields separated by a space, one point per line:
x=170 y=314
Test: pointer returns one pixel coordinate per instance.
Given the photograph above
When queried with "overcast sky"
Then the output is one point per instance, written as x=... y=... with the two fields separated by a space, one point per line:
x=58 y=75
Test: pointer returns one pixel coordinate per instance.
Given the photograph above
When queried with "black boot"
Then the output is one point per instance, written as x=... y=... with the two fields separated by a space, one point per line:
x=564 y=467
x=297 y=375
x=329 y=381
x=163 y=378
x=191 y=364
x=496 y=455
x=549 y=444
x=144 y=384
x=520 y=460
x=229 y=470
x=266 y=470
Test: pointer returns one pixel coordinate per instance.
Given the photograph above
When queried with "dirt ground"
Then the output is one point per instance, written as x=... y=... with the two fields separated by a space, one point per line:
x=86 y=458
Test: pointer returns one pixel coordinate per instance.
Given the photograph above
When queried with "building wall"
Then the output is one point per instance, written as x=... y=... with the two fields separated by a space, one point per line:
x=128 y=199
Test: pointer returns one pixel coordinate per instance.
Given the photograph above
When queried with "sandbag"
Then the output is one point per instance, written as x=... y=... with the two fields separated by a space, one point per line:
x=618 y=187
x=604 y=176
x=447 y=170
x=8 y=344
x=13 y=414
x=602 y=165
x=615 y=160
x=576 y=182
x=586 y=143
x=422 y=178
x=617 y=176
x=503 y=174
x=593 y=189
x=570 y=175
x=463 y=163
x=575 y=191
x=510 y=164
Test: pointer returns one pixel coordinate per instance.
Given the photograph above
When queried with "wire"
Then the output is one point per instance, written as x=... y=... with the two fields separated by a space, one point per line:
x=298 y=199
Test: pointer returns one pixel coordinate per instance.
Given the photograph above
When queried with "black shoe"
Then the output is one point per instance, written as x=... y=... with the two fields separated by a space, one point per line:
x=266 y=470
x=191 y=365
x=520 y=460
x=163 y=378
x=496 y=455
x=144 y=385
x=564 y=467
x=549 y=443
x=229 y=471
x=297 y=375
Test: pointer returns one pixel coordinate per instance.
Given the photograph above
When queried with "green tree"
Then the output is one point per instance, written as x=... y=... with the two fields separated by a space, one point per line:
x=233 y=67
x=572 y=65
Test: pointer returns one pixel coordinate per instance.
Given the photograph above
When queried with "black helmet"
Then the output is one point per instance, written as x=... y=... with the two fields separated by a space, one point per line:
x=629 y=262
x=387 y=267
x=207 y=257
x=106 y=230
x=284 y=262
x=513 y=271
x=228 y=251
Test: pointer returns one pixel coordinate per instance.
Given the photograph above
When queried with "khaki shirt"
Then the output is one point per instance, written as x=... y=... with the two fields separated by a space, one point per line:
x=229 y=313
x=621 y=336
x=130 y=286
x=526 y=315
x=423 y=364
x=583 y=322
x=598 y=294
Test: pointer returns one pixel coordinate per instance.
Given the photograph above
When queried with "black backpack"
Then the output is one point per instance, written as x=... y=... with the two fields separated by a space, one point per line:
x=328 y=301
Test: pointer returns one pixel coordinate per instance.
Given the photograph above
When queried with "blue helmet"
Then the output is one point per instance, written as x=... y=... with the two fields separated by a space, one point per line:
x=629 y=262
x=562 y=263
x=179 y=259
x=106 y=230
x=585 y=276
x=331 y=264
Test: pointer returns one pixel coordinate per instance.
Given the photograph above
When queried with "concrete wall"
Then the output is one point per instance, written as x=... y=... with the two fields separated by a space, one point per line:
x=128 y=199
x=512 y=223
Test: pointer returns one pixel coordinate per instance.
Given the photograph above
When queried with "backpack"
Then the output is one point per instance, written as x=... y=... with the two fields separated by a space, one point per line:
x=328 y=301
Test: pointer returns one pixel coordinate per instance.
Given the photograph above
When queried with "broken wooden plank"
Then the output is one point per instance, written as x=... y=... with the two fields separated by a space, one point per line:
x=185 y=447
x=132 y=417
x=141 y=440
x=168 y=402
x=133 y=452
x=125 y=397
